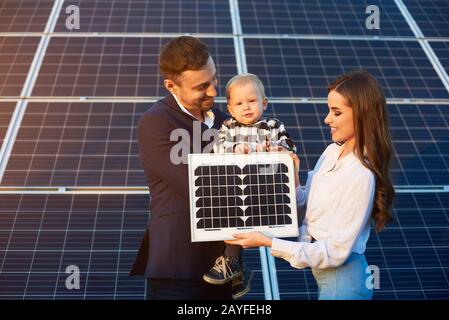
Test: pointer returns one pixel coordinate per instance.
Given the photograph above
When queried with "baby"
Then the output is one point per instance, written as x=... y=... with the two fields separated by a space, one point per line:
x=246 y=131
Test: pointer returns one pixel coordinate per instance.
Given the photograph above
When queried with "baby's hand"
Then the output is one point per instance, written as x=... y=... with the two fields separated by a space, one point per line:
x=263 y=146
x=242 y=148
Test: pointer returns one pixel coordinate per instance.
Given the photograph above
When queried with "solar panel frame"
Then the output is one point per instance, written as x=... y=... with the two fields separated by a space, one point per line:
x=219 y=171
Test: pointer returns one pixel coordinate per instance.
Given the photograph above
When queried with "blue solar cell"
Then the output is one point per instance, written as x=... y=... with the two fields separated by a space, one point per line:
x=431 y=16
x=174 y=16
x=304 y=68
x=320 y=18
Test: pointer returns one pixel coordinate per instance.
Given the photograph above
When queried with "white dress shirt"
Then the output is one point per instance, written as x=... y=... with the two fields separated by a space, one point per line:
x=339 y=195
x=209 y=116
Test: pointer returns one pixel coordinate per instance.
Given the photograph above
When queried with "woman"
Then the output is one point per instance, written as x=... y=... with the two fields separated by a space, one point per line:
x=349 y=185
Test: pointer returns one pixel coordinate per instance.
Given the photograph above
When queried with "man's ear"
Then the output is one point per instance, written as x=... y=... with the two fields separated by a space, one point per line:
x=265 y=103
x=171 y=86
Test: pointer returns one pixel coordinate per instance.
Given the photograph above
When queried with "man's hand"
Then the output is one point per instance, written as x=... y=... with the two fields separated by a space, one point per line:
x=250 y=240
x=242 y=148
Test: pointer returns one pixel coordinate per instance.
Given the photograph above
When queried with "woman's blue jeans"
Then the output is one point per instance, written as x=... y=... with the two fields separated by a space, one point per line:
x=346 y=282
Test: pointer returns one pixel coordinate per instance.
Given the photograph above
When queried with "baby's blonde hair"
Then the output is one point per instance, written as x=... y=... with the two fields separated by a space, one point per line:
x=245 y=78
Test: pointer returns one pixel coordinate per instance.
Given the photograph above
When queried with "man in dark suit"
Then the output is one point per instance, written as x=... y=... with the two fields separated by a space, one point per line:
x=173 y=264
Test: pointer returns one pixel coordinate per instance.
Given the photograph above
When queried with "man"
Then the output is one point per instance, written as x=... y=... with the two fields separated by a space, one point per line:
x=173 y=264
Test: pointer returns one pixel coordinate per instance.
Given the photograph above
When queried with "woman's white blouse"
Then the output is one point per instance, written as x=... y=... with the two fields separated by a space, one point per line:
x=339 y=196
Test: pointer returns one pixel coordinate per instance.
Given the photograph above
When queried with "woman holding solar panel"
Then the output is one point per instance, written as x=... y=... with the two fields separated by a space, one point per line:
x=349 y=186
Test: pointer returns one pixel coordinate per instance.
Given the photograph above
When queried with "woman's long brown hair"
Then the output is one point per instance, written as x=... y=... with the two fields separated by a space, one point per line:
x=373 y=142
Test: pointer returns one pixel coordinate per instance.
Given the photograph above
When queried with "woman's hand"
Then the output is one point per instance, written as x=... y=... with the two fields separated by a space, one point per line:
x=250 y=240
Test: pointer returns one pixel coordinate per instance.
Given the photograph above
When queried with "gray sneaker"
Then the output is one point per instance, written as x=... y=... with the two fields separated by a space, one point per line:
x=224 y=270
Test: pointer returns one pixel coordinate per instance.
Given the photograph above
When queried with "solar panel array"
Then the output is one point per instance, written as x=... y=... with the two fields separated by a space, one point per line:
x=74 y=131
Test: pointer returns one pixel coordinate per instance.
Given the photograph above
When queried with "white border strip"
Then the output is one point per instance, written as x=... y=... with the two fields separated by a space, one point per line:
x=136 y=99
x=145 y=99
x=212 y=35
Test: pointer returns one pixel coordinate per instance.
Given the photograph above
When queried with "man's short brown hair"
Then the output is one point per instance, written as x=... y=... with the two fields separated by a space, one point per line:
x=182 y=54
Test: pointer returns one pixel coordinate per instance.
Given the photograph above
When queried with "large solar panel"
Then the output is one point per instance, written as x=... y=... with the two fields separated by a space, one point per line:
x=230 y=193
x=41 y=235
x=6 y=111
x=312 y=17
x=304 y=68
x=175 y=16
x=420 y=135
x=77 y=144
x=24 y=15
x=412 y=254
x=16 y=55
x=431 y=16
x=115 y=66
x=94 y=144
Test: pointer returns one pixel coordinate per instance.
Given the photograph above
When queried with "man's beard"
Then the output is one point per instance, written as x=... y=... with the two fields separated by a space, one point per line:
x=205 y=104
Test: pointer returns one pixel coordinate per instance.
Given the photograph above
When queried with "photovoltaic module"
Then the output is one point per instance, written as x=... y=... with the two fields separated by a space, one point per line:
x=232 y=193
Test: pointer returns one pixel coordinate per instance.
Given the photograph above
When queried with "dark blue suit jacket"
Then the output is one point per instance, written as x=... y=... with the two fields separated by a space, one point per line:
x=166 y=250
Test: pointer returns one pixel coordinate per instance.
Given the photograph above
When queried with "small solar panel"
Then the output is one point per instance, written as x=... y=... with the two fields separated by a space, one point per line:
x=304 y=68
x=16 y=55
x=232 y=193
x=24 y=15
x=431 y=16
x=77 y=144
x=116 y=66
x=176 y=16
x=412 y=253
x=6 y=111
x=312 y=17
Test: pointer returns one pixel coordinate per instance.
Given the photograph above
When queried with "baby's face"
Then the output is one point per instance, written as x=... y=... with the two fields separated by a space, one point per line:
x=246 y=103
